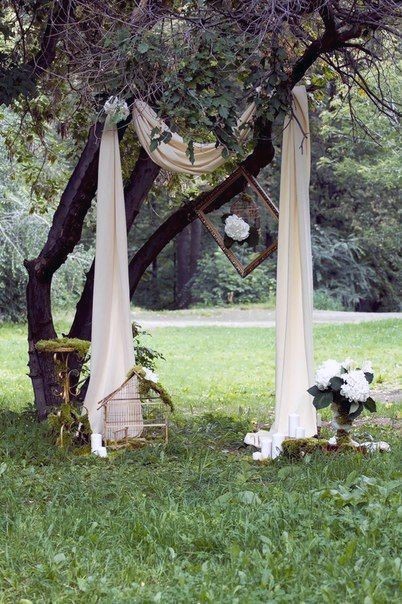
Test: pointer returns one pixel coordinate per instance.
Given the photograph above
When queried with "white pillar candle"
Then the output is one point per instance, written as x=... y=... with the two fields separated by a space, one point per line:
x=300 y=432
x=249 y=438
x=101 y=452
x=252 y=438
x=257 y=456
x=294 y=421
x=277 y=440
x=96 y=442
x=266 y=447
x=319 y=420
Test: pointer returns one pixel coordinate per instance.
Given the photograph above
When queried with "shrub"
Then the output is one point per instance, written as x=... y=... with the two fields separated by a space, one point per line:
x=217 y=282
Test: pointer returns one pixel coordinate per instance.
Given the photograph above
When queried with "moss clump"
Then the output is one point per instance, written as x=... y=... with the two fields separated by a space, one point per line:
x=295 y=448
x=146 y=386
x=80 y=347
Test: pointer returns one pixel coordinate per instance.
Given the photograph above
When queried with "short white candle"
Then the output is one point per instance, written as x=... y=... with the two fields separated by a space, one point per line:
x=294 y=420
x=257 y=440
x=257 y=456
x=266 y=447
x=96 y=442
x=101 y=452
x=277 y=440
x=300 y=432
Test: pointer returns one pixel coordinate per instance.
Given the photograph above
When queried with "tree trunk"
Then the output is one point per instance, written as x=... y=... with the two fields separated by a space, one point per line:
x=154 y=282
x=182 y=273
x=195 y=246
x=40 y=327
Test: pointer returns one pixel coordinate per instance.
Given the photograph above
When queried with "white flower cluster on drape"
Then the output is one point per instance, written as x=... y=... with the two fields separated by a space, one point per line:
x=112 y=350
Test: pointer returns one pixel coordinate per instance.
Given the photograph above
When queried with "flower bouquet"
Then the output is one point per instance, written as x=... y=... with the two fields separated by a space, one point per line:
x=237 y=230
x=116 y=109
x=346 y=388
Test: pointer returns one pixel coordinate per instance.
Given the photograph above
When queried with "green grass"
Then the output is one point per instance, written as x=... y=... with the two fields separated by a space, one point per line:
x=192 y=522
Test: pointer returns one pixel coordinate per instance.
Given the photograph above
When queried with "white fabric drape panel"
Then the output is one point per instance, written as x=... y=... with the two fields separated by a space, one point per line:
x=294 y=293
x=112 y=352
x=172 y=155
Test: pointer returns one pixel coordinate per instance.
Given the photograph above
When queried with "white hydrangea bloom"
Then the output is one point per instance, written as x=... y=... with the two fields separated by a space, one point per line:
x=349 y=364
x=150 y=375
x=356 y=388
x=325 y=372
x=236 y=228
x=116 y=109
x=367 y=367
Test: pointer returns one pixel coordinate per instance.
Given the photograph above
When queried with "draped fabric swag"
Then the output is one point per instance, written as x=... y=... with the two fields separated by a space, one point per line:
x=172 y=156
x=112 y=348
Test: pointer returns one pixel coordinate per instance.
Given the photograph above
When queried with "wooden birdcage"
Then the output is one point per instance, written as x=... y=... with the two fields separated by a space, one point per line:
x=129 y=416
x=245 y=207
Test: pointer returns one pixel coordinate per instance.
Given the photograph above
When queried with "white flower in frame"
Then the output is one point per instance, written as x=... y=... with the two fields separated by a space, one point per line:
x=236 y=228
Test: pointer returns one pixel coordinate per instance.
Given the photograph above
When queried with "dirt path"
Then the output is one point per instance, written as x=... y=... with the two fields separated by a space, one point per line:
x=249 y=317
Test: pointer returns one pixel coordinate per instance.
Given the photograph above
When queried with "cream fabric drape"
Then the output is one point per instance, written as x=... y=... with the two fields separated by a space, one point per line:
x=112 y=352
x=172 y=155
x=294 y=293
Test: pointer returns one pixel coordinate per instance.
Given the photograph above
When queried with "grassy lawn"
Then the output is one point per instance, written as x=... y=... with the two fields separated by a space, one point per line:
x=191 y=522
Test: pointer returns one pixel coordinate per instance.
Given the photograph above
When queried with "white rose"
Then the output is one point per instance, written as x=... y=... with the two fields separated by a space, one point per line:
x=325 y=372
x=150 y=375
x=356 y=388
x=236 y=228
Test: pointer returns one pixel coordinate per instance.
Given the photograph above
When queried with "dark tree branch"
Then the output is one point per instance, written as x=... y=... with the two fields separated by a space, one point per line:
x=25 y=76
x=54 y=28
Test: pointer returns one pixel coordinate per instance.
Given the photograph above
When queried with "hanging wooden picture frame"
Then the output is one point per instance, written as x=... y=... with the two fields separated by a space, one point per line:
x=206 y=206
